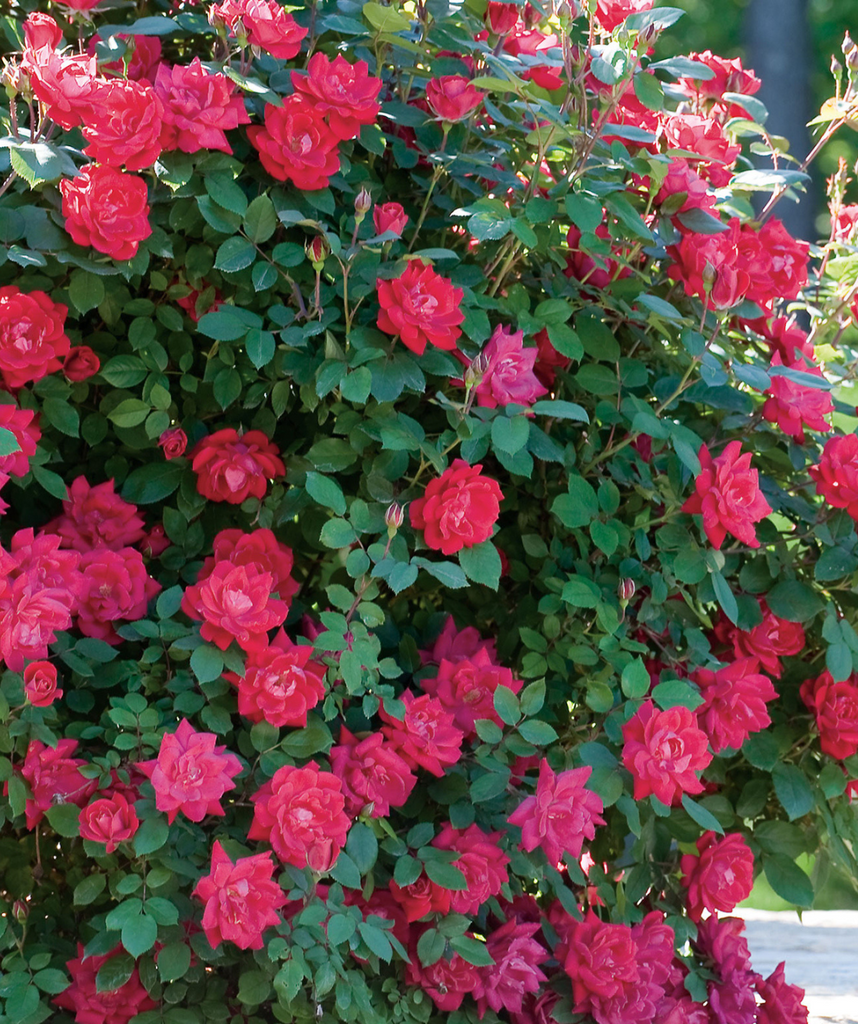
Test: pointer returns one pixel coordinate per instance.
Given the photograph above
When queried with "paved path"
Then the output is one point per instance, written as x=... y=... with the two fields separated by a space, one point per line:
x=821 y=954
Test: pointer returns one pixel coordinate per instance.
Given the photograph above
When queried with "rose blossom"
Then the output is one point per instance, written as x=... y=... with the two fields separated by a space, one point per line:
x=155 y=542
x=835 y=706
x=281 y=683
x=124 y=129
x=446 y=982
x=731 y=992
x=509 y=376
x=664 y=751
x=611 y=13
x=548 y=360
x=707 y=139
x=728 y=496
x=41 y=30
x=783 y=272
x=533 y=43
x=729 y=76
x=241 y=898
x=712 y=267
x=372 y=773
x=845 y=225
x=720 y=877
x=173 y=443
x=53 y=776
x=784 y=338
x=233 y=467
x=452 y=97
x=116 y=587
x=774 y=638
x=191 y=773
x=836 y=475
x=40 y=684
x=300 y=812
x=425 y=736
x=481 y=861
x=782 y=1003
x=582 y=267
x=235 y=603
x=501 y=18
x=601 y=961
x=258 y=549
x=30 y=616
x=199 y=108
x=467 y=687
x=142 y=56
x=264 y=23
x=110 y=820
x=65 y=85
x=560 y=815
x=32 y=336
x=420 y=307
x=421 y=898
x=95 y=516
x=455 y=644
x=735 y=703
x=295 y=144
x=24 y=425
x=458 y=509
x=89 y=1005
x=345 y=93
x=81 y=364
x=106 y=209
x=515 y=972
x=389 y=217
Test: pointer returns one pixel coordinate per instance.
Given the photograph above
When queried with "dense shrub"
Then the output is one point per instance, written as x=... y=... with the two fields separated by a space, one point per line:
x=425 y=589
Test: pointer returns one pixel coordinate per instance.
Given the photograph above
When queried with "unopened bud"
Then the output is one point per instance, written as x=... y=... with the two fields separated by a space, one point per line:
x=317 y=250
x=847 y=44
x=394 y=517
x=710 y=276
x=836 y=68
x=626 y=590
x=16 y=81
x=21 y=910
x=647 y=36
x=363 y=204
x=476 y=371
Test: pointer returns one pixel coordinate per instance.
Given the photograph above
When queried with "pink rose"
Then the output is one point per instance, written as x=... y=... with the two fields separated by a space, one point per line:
x=92 y=1006
x=782 y=1003
x=466 y=688
x=173 y=443
x=345 y=93
x=191 y=773
x=836 y=475
x=32 y=336
x=421 y=898
x=458 y=509
x=509 y=376
x=835 y=706
x=116 y=588
x=426 y=736
x=199 y=107
x=720 y=877
x=52 y=773
x=373 y=775
x=233 y=467
x=95 y=516
x=263 y=23
x=446 y=982
x=24 y=424
x=611 y=13
x=516 y=971
x=735 y=703
x=111 y=821
x=452 y=97
x=389 y=217
x=480 y=860
x=40 y=684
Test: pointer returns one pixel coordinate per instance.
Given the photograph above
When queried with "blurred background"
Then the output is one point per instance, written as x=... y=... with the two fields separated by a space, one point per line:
x=789 y=44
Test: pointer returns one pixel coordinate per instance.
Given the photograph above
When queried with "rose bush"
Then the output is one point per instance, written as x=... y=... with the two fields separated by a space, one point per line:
x=430 y=489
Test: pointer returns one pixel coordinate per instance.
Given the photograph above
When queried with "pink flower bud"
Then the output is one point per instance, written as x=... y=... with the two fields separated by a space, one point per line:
x=626 y=590
x=363 y=203
x=394 y=517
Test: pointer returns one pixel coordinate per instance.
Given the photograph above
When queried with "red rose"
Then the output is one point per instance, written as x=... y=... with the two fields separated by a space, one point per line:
x=142 y=56
x=683 y=189
x=24 y=425
x=259 y=549
x=782 y=1003
x=155 y=542
x=611 y=13
x=458 y=510
x=421 y=898
x=51 y=772
x=836 y=475
x=501 y=18
x=845 y=224
x=296 y=144
x=712 y=267
x=835 y=706
x=706 y=138
x=81 y=363
x=125 y=125
x=452 y=97
x=41 y=30
x=264 y=23
x=421 y=307
x=40 y=684
x=191 y=773
x=664 y=751
x=425 y=737
x=533 y=43
x=455 y=644
x=509 y=376
x=601 y=961
x=107 y=209
x=735 y=703
x=771 y=640
x=796 y=406
x=779 y=267
x=446 y=982
x=233 y=467
x=389 y=217
x=65 y=85
x=95 y=516
x=783 y=337
x=373 y=774
x=515 y=972
x=241 y=898
x=548 y=359
x=721 y=876
x=729 y=76
x=300 y=812
x=584 y=269
x=110 y=820
x=466 y=688
x=116 y=588
x=728 y=496
x=281 y=683
x=345 y=93
x=30 y=617
x=561 y=815
x=731 y=990
x=480 y=860
x=173 y=443
x=32 y=336
x=92 y=1006
x=199 y=108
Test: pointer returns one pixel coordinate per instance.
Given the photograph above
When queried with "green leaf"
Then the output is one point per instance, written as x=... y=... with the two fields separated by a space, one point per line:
x=725 y=596
x=676 y=692
x=174 y=960
x=63 y=415
x=762 y=750
x=139 y=936
x=325 y=491
x=254 y=988
x=64 y=819
x=151 y=836
x=114 y=973
x=235 y=254
x=510 y=434
x=124 y=371
x=788 y=880
x=705 y=819
x=346 y=872
x=539 y=733
x=561 y=410
x=793 y=790
x=8 y=442
x=507 y=706
x=340 y=928
x=585 y=211
x=472 y=950
x=51 y=980
x=155 y=482
x=85 y=290
x=488 y=786
x=207 y=663
x=794 y=601
x=168 y=603
x=430 y=947
x=312 y=739
x=260 y=347
x=579 y=506
x=362 y=847
x=377 y=940
x=337 y=533
x=482 y=564
x=445 y=875
x=130 y=412
x=260 y=221
x=89 y=889
x=448 y=573
x=636 y=681
x=37 y=162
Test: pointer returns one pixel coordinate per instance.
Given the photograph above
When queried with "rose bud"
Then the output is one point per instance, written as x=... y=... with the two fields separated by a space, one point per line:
x=81 y=363
x=41 y=30
x=452 y=97
x=501 y=18
x=363 y=204
x=21 y=910
x=40 y=684
x=394 y=517
x=389 y=217
x=155 y=542
x=173 y=442
x=476 y=371
x=317 y=250
x=626 y=590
